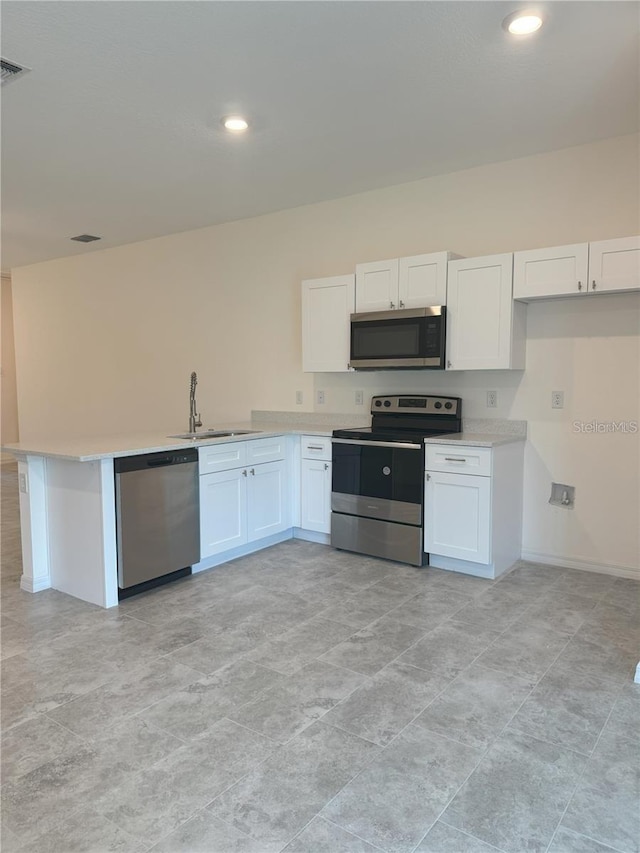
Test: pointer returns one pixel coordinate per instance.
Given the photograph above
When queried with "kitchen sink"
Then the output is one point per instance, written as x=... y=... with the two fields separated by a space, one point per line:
x=214 y=433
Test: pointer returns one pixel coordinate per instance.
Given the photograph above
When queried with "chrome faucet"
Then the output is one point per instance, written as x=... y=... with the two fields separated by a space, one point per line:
x=194 y=417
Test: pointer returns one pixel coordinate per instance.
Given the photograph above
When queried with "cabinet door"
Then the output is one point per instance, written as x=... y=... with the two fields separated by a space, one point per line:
x=422 y=280
x=614 y=265
x=267 y=500
x=223 y=516
x=559 y=271
x=316 y=495
x=327 y=304
x=480 y=328
x=377 y=286
x=457 y=516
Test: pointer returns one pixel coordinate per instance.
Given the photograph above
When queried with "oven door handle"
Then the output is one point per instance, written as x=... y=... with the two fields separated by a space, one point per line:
x=404 y=445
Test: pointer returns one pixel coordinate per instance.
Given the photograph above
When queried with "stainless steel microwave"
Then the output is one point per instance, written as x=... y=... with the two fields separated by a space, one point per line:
x=408 y=338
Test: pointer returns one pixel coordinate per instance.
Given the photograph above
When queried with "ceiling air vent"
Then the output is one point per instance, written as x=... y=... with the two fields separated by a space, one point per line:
x=11 y=71
x=85 y=238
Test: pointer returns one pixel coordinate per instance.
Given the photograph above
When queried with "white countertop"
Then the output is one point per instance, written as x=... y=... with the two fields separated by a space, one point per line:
x=128 y=444
x=476 y=439
x=482 y=433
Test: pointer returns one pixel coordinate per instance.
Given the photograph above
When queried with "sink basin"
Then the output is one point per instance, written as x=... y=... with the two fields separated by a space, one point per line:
x=213 y=433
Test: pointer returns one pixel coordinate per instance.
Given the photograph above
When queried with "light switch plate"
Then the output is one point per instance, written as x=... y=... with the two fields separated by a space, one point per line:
x=298 y=398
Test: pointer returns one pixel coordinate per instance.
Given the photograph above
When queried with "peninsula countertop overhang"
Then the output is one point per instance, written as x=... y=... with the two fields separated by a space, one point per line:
x=91 y=449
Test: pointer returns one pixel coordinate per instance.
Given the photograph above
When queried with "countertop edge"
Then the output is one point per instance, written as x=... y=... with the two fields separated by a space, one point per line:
x=475 y=439
x=64 y=450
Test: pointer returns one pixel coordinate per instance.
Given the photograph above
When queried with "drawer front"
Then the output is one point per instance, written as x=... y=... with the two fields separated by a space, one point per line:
x=316 y=447
x=222 y=457
x=266 y=449
x=461 y=460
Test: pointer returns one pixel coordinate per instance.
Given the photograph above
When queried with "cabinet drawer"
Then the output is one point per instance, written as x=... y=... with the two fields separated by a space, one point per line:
x=222 y=457
x=266 y=449
x=316 y=447
x=462 y=460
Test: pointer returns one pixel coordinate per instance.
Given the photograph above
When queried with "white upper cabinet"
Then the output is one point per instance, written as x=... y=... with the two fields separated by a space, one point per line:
x=580 y=268
x=559 y=271
x=327 y=304
x=485 y=327
x=614 y=265
x=413 y=282
x=377 y=286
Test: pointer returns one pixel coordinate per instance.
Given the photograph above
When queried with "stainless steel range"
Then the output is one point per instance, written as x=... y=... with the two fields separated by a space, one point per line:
x=377 y=492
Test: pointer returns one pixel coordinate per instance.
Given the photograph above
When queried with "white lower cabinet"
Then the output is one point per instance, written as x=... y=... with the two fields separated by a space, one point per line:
x=458 y=516
x=223 y=517
x=316 y=496
x=267 y=500
x=315 y=484
x=243 y=505
x=473 y=507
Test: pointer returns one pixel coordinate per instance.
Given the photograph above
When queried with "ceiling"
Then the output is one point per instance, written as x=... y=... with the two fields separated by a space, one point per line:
x=116 y=129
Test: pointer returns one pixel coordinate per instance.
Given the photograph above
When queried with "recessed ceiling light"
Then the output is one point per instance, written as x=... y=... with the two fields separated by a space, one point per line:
x=236 y=124
x=522 y=23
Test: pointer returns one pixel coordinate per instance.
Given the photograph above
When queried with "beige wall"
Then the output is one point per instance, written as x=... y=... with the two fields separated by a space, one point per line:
x=106 y=342
x=8 y=399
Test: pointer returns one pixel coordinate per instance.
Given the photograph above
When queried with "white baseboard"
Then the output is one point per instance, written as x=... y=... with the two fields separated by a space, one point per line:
x=311 y=536
x=583 y=565
x=31 y=585
x=241 y=551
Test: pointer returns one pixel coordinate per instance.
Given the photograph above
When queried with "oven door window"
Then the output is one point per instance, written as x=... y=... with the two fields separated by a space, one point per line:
x=378 y=472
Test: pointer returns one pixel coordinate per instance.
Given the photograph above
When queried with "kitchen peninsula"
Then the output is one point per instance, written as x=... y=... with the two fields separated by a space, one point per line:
x=67 y=499
x=67 y=494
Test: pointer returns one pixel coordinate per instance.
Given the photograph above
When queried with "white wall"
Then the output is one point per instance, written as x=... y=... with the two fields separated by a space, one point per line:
x=8 y=398
x=106 y=342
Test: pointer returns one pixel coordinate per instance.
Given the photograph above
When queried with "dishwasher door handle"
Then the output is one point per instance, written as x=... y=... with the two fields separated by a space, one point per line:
x=158 y=463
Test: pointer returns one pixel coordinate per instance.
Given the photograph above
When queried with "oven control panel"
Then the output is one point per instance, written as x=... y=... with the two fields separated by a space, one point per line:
x=415 y=404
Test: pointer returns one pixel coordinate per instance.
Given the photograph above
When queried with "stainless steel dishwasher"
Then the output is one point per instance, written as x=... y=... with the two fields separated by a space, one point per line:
x=157 y=518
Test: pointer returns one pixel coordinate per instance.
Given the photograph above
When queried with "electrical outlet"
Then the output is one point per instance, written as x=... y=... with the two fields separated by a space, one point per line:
x=298 y=398
x=22 y=480
x=320 y=398
x=359 y=398
x=492 y=399
x=557 y=399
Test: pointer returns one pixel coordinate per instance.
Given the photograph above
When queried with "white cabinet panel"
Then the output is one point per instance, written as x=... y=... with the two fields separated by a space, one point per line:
x=221 y=457
x=223 y=517
x=606 y=266
x=316 y=495
x=266 y=449
x=377 y=286
x=267 y=500
x=316 y=447
x=327 y=304
x=614 y=265
x=412 y=282
x=484 y=329
x=458 y=460
x=458 y=516
x=556 y=271
x=247 y=503
x=422 y=280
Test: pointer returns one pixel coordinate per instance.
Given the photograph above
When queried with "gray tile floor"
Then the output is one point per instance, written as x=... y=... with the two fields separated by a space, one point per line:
x=311 y=701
